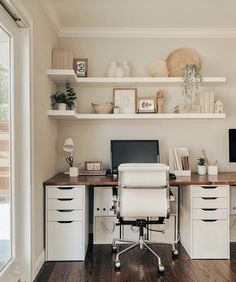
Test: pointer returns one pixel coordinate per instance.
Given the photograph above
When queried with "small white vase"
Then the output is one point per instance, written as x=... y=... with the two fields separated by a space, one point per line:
x=212 y=170
x=120 y=72
x=126 y=69
x=111 y=71
x=202 y=169
x=61 y=106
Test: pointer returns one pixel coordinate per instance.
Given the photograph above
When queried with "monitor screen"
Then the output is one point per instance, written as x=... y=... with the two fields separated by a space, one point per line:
x=232 y=145
x=133 y=151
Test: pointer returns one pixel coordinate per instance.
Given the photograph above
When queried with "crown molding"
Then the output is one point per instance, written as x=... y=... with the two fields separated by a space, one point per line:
x=108 y=32
x=53 y=16
x=95 y=32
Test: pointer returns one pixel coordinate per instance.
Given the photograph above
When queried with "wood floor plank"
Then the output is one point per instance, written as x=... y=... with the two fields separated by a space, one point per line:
x=139 y=265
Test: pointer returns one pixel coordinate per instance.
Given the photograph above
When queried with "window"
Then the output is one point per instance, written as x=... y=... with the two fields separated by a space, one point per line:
x=5 y=166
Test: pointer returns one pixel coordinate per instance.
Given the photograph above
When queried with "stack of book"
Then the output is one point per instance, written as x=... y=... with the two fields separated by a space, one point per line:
x=207 y=102
x=179 y=161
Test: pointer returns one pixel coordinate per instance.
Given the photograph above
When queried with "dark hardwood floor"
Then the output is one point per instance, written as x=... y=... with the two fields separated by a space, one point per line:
x=138 y=265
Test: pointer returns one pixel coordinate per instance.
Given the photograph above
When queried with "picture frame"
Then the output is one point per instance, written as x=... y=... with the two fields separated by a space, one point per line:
x=80 y=66
x=125 y=99
x=147 y=105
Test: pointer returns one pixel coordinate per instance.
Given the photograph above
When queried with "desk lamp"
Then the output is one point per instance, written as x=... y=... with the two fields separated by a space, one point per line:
x=69 y=148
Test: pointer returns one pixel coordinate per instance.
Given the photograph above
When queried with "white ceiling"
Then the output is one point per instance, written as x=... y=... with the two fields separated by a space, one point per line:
x=144 y=13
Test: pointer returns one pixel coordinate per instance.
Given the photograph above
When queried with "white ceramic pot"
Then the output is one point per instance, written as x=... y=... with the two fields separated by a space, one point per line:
x=212 y=170
x=202 y=169
x=61 y=106
x=73 y=171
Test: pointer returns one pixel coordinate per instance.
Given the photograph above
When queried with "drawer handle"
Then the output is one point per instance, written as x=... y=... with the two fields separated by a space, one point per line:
x=209 y=187
x=65 y=210
x=65 y=199
x=209 y=209
x=209 y=198
x=209 y=220
x=65 y=188
x=64 y=222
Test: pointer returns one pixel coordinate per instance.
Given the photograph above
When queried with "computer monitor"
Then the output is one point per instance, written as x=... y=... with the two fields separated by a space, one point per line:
x=133 y=151
x=232 y=145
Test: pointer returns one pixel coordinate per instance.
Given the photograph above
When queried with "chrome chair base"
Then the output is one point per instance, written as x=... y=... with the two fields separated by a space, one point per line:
x=141 y=243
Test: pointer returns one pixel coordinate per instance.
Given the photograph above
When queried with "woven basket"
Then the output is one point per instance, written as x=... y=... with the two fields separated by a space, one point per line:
x=104 y=108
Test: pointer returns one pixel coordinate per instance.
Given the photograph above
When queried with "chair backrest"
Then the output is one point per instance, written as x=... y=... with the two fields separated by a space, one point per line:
x=143 y=190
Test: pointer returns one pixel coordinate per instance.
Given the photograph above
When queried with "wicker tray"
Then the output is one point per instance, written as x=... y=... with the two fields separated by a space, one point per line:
x=104 y=108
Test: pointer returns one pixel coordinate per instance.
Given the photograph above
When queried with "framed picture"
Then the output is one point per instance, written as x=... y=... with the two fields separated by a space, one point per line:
x=125 y=99
x=146 y=104
x=81 y=67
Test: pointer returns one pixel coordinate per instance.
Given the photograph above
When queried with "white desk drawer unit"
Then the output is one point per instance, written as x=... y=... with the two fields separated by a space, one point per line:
x=209 y=191
x=210 y=202
x=210 y=213
x=67 y=215
x=65 y=192
x=66 y=222
x=204 y=221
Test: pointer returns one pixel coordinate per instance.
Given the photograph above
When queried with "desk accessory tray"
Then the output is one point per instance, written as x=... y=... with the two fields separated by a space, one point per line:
x=95 y=173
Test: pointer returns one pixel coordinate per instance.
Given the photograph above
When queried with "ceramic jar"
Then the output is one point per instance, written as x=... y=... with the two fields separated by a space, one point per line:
x=212 y=170
x=111 y=71
x=126 y=69
x=61 y=106
x=119 y=72
x=202 y=169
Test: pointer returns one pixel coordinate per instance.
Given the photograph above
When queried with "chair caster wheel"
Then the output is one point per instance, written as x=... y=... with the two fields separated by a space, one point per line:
x=161 y=268
x=117 y=264
x=113 y=249
x=175 y=252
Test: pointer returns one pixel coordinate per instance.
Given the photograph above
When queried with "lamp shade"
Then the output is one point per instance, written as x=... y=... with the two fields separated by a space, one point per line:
x=68 y=145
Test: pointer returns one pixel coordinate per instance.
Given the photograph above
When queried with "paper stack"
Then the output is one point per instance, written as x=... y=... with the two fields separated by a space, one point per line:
x=206 y=101
x=179 y=161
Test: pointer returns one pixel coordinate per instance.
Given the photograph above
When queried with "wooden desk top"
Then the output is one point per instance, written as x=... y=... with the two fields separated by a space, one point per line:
x=223 y=178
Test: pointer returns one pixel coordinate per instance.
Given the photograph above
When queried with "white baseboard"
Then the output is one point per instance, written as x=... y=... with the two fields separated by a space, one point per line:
x=38 y=264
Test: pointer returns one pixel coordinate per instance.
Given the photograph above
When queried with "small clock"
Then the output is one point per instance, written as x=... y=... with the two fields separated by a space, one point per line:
x=93 y=166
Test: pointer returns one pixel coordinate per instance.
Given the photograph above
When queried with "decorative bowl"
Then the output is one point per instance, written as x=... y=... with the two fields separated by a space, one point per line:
x=103 y=108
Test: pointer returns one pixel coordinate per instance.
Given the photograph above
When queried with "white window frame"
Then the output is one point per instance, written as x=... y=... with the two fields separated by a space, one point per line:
x=20 y=266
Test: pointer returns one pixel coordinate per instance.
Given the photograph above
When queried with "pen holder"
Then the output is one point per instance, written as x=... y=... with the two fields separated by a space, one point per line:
x=74 y=172
x=212 y=170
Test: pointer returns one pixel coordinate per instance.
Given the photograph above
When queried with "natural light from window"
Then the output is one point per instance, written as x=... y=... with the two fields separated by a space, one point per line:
x=5 y=191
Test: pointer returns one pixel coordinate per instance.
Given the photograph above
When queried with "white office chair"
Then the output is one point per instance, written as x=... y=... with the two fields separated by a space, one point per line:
x=143 y=192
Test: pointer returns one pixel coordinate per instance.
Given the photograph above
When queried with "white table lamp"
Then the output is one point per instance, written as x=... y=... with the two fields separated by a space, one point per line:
x=68 y=145
x=69 y=148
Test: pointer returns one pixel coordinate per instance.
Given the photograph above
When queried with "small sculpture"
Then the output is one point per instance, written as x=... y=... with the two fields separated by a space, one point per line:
x=219 y=108
x=160 y=101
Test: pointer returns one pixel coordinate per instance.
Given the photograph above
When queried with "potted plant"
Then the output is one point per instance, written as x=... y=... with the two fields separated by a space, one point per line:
x=64 y=99
x=201 y=166
x=192 y=79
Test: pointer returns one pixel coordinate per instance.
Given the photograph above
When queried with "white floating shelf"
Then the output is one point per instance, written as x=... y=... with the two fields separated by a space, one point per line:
x=72 y=115
x=63 y=76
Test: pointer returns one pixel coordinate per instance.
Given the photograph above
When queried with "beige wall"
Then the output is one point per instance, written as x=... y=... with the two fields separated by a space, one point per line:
x=92 y=138
x=44 y=129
